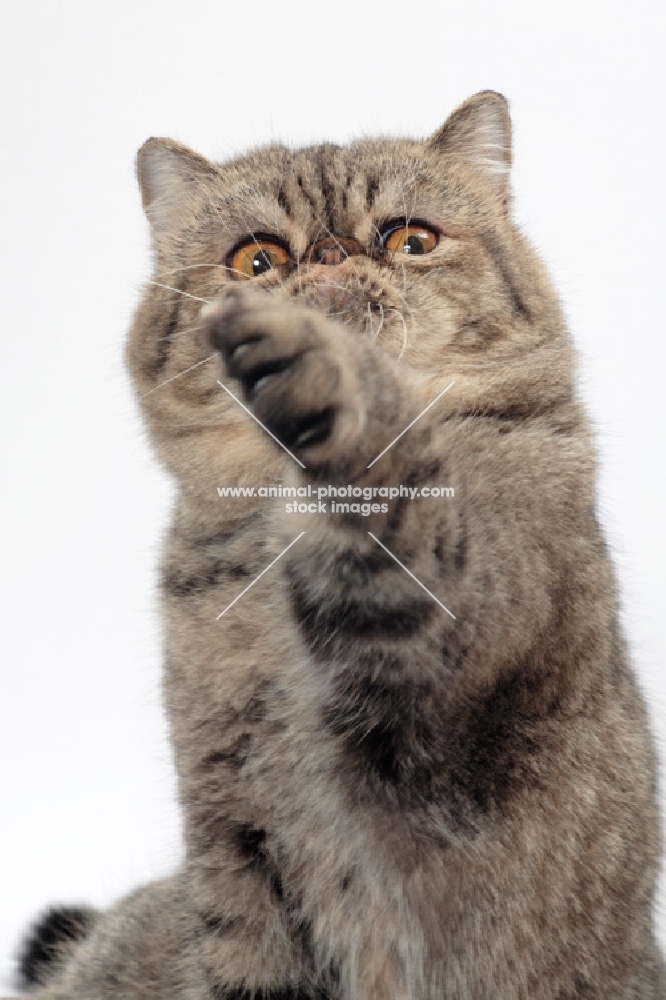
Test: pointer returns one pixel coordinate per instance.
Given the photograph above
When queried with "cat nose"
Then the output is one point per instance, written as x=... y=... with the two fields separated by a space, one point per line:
x=332 y=255
x=333 y=251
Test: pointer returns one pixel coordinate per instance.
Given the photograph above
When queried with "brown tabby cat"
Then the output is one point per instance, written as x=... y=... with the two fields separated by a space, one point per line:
x=382 y=801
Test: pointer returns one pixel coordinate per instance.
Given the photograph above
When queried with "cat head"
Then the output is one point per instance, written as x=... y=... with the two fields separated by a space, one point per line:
x=410 y=243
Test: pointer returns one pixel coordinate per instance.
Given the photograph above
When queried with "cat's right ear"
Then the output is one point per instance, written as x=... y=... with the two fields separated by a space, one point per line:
x=168 y=174
x=479 y=133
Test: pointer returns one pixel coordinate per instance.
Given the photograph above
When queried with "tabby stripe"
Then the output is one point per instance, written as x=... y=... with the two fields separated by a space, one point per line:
x=266 y=993
x=163 y=347
x=179 y=584
x=460 y=555
x=306 y=194
x=217 y=925
x=234 y=757
x=384 y=725
x=284 y=203
x=353 y=618
x=228 y=534
x=496 y=253
x=328 y=184
x=351 y=566
x=159 y=360
x=371 y=189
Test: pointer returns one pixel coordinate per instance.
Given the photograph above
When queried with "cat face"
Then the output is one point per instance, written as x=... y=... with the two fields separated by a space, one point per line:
x=408 y=243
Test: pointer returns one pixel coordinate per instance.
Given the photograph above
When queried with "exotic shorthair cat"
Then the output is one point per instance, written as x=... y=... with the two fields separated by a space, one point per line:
x=412 y=758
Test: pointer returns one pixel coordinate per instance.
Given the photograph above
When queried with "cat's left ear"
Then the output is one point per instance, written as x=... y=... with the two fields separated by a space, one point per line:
x=479 y=133
x=168 y=174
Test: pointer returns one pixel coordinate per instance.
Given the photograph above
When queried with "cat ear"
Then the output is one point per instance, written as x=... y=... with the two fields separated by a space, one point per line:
x=168 y=172
x=479 y=133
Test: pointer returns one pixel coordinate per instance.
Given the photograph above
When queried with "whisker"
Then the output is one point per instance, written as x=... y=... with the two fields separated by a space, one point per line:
x=171 y=288
x=166 y=382
x=335 y=284
x=192 y=267
x=310 y=249
x=179 y=333
x=198 y=424
x=404 y=333
x=381 y=320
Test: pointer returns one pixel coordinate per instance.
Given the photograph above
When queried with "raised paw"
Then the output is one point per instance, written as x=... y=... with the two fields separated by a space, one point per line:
x=295 y=369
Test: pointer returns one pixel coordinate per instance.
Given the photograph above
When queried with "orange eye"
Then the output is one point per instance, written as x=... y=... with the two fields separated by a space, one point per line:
x=256 y=257
x=414 y=239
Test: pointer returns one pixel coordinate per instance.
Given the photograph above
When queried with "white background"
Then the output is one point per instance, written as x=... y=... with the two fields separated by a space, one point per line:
x=86 y=785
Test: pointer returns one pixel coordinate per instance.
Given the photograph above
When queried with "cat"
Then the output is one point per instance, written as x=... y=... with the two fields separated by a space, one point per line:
x=412 y=758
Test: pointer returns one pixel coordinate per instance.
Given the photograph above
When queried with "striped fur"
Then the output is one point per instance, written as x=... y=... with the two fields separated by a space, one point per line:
x=381 y=802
